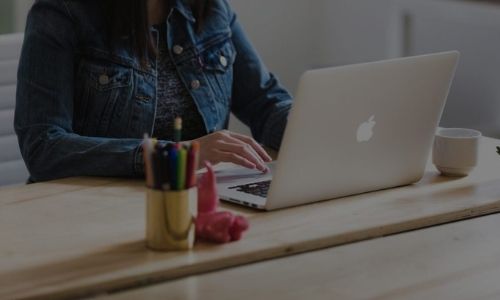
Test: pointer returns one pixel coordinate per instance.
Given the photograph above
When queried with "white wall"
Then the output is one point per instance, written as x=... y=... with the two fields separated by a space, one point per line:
x=473 y=28
x=353 y=31
x=21 y=8
x=295 y=35
x=282 y=33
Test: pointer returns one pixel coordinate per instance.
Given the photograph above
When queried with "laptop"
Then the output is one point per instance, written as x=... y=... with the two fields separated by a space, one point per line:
x=351 y=130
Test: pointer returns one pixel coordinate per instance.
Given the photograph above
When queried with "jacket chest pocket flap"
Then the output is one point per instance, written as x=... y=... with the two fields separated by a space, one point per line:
x=217 y=63
x=219 y=57
x=105 y=78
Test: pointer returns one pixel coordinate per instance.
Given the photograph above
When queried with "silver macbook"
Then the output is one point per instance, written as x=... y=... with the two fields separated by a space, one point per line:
x=352 y=130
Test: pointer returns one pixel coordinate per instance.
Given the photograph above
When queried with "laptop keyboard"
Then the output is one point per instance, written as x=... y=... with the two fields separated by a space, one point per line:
x=259 y=189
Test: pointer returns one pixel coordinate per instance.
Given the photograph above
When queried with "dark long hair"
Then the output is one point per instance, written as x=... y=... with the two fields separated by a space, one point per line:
x=130 y=18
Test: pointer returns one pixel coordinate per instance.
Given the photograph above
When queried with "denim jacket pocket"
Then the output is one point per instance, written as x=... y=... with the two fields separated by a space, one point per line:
x=218 y=63
x=105 y=92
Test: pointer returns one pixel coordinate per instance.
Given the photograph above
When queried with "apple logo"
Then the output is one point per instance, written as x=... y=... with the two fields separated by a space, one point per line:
x=365 y=130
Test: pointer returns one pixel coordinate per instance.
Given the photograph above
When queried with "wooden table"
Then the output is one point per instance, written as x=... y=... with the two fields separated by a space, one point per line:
x=456 y=261
x=85 y=236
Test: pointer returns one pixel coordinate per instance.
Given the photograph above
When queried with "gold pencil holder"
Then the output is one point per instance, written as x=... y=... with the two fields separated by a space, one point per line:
x=170 y=219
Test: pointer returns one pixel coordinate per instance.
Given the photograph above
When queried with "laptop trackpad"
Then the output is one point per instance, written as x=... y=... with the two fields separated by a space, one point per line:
x=229 y=175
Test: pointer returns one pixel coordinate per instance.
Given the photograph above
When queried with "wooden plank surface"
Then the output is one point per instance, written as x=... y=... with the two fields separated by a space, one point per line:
x=450 y=262
x=79 y=237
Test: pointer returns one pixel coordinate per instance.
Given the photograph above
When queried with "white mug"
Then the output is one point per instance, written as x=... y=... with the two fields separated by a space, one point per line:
x=456 y=150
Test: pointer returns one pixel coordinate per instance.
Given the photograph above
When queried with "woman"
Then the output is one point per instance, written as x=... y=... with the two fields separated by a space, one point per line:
x=95 y=75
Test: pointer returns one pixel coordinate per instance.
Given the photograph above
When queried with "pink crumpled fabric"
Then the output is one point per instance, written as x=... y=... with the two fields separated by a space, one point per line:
x=213 y=226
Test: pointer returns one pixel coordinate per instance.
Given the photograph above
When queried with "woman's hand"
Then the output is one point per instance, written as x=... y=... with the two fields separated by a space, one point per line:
x=226 y=146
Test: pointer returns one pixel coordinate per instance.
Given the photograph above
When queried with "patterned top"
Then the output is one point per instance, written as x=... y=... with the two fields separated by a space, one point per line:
x=174 y=99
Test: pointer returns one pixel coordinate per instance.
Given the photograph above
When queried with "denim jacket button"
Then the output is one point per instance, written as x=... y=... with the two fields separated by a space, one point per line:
x=223 y=61
x=178 y=49
x=195 y=84
x=104 y=79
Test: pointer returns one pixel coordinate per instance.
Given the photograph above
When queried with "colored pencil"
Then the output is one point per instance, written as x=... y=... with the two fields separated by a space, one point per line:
x=148 y=171
x=164 y=170
x=173 y=163
x=181 y=169
x=178 y=129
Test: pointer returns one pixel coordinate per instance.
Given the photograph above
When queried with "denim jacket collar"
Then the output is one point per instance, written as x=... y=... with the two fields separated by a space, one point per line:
x=183 y=8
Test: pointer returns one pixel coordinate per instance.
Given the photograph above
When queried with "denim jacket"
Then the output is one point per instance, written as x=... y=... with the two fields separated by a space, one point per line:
x=83 y=108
